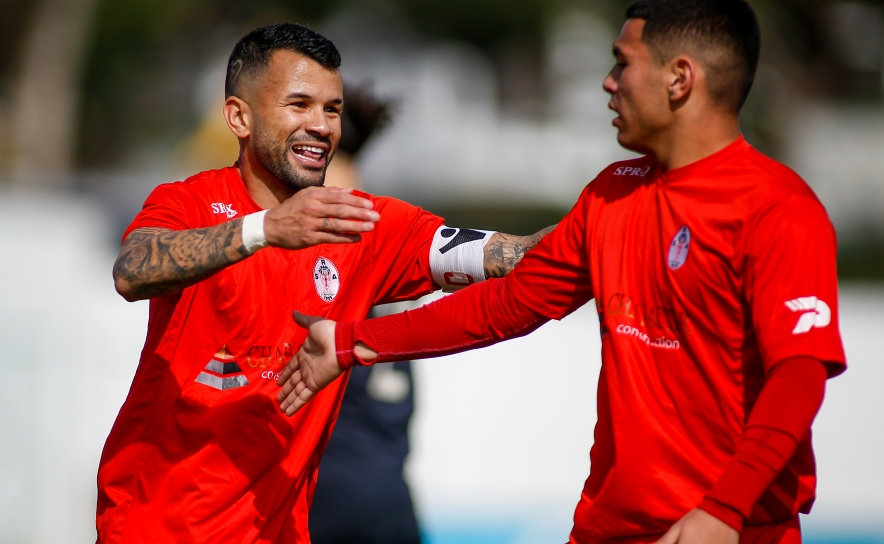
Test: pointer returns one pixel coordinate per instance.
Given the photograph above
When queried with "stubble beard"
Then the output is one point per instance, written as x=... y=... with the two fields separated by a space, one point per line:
x=273 y=157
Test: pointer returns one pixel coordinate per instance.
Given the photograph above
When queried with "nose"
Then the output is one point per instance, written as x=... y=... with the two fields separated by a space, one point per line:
x=318 y=123
x=610 y=83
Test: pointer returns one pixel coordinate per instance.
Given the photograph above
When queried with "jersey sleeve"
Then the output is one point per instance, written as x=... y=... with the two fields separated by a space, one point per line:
x=792 y=284
x=551 y=281
x=400 y=251
x=554 y=277
x=170 y=206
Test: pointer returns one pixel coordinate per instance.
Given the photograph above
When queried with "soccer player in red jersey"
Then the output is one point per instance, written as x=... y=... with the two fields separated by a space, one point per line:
x=713 y=271
x=199 y=451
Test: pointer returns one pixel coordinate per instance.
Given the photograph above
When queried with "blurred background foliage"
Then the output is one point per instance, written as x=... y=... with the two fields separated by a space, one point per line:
x=140 y=65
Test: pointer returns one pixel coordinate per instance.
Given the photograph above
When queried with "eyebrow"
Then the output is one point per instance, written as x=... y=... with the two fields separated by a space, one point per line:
x=305 y=95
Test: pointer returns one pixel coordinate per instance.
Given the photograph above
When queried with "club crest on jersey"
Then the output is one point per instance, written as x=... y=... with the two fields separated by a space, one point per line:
x=678 y=249
x=326 y=279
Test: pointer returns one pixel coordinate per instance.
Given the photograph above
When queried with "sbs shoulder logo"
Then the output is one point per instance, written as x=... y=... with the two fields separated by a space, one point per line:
x=815 y=313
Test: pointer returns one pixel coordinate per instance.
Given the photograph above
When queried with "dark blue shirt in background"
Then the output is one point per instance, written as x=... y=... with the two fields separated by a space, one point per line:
x=361 y=495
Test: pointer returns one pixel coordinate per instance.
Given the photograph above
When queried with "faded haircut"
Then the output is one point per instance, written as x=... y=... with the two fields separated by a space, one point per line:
x=252 y=53
x=723 y=35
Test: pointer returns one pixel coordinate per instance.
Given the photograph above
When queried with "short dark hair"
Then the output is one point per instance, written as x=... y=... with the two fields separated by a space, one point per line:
x=725 y=33
x=252 y=53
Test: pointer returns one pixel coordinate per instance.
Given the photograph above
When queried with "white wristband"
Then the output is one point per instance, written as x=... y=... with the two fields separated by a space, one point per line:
x=253 y=232
x=457 y=257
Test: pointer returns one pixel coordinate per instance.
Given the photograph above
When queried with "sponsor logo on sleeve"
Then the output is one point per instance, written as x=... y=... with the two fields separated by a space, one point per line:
x=227 y=209
x=326 y=279
x=678 y=249
x=814 y=313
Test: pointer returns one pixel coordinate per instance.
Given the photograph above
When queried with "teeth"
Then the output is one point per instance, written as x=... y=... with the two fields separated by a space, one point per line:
x=310 y=148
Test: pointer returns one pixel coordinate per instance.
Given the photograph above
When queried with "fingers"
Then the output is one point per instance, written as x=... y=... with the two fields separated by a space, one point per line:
x=340 y=204
x=287 y=373
x=296 y=399
x=303 y=320
x=297 y=378
x=335 y=225
x=346 y=211
x=336 y=195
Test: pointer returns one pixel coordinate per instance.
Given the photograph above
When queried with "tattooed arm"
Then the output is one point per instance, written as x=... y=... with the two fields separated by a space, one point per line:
x=157 y=261
x=504 y=251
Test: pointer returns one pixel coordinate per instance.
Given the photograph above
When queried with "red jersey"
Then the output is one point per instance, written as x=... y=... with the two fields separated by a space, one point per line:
x=704 y=278
x=200 y=451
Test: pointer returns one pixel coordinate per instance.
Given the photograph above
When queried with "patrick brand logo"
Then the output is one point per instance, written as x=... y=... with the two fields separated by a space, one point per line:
x=227 y=209
x=222 y=372
x=326 y=279
x=678 y=249
x=814 y=313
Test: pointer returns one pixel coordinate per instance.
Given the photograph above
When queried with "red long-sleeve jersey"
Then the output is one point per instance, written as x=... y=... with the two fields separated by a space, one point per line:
x=706 y=278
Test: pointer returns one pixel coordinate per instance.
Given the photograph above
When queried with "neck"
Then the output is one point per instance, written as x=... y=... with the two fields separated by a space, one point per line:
x=261 y=185
x=693 y=137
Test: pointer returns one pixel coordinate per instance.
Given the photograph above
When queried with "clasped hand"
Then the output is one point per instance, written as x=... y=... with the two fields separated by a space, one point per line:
x=313 y=367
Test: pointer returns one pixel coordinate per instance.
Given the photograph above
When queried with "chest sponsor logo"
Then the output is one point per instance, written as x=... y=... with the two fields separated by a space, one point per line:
x=268 y=356
x=637 y=171
x=814 y=313
x=655 y=326
x=678 y=249
x=226 y=209
x=222 y=372
x=326 y=279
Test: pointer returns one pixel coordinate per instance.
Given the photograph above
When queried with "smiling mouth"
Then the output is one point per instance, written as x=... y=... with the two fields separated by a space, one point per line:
x=310 y=154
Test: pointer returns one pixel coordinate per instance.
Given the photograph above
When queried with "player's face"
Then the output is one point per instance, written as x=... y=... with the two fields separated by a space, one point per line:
x=296 y=119
x=639 y=92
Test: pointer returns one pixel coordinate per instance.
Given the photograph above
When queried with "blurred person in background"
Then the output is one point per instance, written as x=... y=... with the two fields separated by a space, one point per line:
x=361 y=472
x=713 y=270
x=200 y=451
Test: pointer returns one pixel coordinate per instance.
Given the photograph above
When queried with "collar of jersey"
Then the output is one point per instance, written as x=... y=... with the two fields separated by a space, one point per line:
x=238 y=186
x=707 y=163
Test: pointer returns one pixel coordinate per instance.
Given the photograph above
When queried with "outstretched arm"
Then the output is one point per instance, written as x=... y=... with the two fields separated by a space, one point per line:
x=504 y=251
x=482 y=315
x=156 y=261
x=550 y=282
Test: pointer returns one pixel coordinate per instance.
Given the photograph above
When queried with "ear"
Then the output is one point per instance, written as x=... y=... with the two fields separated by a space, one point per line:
x=238 y=115
x=682 y=78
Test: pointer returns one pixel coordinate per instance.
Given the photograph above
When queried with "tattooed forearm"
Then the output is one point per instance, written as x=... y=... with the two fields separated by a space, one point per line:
x=504 y=251
x=155 y=262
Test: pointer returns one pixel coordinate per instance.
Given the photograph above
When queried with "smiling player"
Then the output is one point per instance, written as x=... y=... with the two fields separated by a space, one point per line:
x=713 y=271
x=199 y=452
